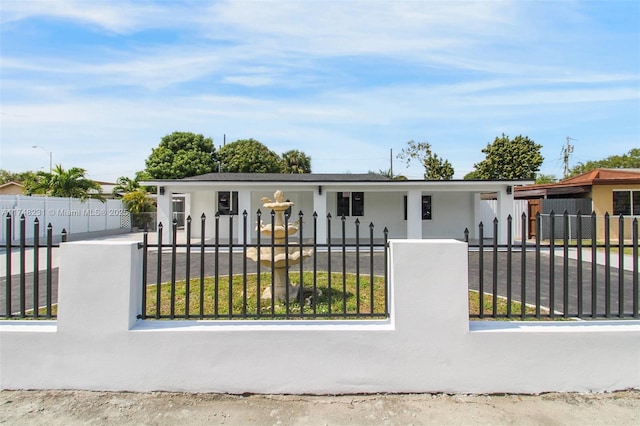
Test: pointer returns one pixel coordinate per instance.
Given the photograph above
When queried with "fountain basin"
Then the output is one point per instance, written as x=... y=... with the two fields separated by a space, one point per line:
x=278 y=231
x=280 y=259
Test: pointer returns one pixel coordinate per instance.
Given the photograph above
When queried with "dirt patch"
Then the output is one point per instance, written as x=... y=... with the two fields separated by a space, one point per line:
x=163 y=408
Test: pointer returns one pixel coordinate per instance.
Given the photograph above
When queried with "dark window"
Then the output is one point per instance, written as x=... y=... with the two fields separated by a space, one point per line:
x=426 y=207
x=636 y=203
x=287 y=212
x=405 y=207
x=343 y=204
x=621 y=203
x=357 y=204
x=228 y=202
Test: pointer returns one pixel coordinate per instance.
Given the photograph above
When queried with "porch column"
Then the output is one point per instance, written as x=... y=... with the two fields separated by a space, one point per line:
x=505 y=208
x=414 y=214
x=477 y=215
x=165 y=213
x=244 y=203
x=320 y=208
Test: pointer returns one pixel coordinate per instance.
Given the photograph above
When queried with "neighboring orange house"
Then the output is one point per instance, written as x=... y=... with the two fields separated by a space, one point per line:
x=11 y=188
x=613 y=191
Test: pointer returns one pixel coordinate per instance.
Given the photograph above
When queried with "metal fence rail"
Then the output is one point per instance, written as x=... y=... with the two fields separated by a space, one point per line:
x=28 y=291
x=586 y=278
x=214 y=279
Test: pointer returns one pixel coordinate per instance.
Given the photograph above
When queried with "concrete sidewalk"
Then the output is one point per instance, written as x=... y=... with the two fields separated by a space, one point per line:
x=159 y=408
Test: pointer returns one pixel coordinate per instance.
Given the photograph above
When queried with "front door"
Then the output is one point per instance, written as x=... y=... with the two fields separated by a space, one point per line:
x=533 y=209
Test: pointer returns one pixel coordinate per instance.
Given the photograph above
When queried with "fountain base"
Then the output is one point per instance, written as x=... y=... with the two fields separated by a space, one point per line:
x=280 y=283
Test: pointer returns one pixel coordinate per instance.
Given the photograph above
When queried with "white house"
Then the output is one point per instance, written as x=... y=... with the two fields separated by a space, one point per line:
x=412 y=209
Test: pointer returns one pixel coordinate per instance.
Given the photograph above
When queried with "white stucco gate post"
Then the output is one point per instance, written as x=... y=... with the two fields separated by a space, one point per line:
x=165 y=213
x=414 y=214
x=320 y=208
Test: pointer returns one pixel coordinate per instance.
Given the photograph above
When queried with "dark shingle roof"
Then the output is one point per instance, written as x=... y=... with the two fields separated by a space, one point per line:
x=287 y=177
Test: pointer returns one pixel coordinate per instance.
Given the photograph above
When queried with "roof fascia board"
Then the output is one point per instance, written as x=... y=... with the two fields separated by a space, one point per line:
x=388 y=186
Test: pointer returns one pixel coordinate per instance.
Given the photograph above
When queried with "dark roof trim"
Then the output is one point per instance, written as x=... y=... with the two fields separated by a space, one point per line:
x=309 y=177
x=560 y=190
x=285 y=177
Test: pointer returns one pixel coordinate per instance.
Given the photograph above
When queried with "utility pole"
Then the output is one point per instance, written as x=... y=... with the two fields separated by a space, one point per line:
x=567 y=151
x=391 y=162
x=50 y=156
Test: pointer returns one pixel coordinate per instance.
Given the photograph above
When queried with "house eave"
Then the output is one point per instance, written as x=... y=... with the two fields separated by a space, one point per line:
x=310 y=182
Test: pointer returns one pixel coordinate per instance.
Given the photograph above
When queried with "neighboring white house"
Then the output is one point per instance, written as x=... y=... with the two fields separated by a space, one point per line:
x=413 y=209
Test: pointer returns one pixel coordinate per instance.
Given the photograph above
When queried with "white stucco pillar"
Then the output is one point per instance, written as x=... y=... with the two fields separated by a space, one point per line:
x=320 y=208
x=505 y=209
x=165 y=213
x=244 y=204
x=187 y=206
x=477 y=215
x=97 y=296
x=414 y=214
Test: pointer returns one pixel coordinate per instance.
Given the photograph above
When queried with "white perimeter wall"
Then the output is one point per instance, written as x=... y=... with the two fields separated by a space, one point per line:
x=71 y=214
x=428 y=344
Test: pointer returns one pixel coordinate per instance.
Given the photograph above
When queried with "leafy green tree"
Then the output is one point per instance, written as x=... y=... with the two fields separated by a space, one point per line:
x=296 y=162
x=517 y=158
x=249 y=156
x=630 y=160
x=140 y=204
x=65 y=183
x=472 y=176
x=179 y=155
x=546 y=179
x=435 y=168
x=18 y=177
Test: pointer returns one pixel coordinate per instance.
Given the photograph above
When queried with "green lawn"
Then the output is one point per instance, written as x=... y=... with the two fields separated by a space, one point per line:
x=474 y=307
x=335 y=299
x=338 y=298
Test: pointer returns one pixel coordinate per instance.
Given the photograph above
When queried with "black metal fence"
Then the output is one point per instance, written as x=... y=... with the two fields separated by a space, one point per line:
x=590 y=277
x=587 y=277
x=28 y=290
x=204 y=278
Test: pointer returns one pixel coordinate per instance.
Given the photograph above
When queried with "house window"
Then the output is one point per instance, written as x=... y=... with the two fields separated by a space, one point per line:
x=426 y=207
x=287 y=212
x=228 y=202
x=626 y=203
x=357 y=204
x=343 y=204
x=355 y=200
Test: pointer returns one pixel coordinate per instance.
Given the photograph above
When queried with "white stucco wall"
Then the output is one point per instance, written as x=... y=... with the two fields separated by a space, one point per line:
x=451 y=214
x=202 y=202
x=455 y=205
x=383 y=209
x=427 y=345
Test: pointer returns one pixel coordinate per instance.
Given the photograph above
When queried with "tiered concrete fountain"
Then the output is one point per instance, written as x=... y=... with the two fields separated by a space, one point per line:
x=281 y=260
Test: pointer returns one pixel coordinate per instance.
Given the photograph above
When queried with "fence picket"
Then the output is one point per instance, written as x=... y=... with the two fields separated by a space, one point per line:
x=350 y=304
x=573 y=285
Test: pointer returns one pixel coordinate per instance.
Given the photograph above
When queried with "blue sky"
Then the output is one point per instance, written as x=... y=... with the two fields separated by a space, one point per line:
x=99 y=83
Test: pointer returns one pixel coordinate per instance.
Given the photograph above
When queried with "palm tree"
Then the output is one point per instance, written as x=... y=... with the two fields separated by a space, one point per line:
x=296 y=162
x=71 y=183
x=125 y=185
x=140 y=204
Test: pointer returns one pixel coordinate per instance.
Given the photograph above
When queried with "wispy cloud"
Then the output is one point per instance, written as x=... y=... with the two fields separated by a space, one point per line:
x=121 y=17
x=344 y=81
